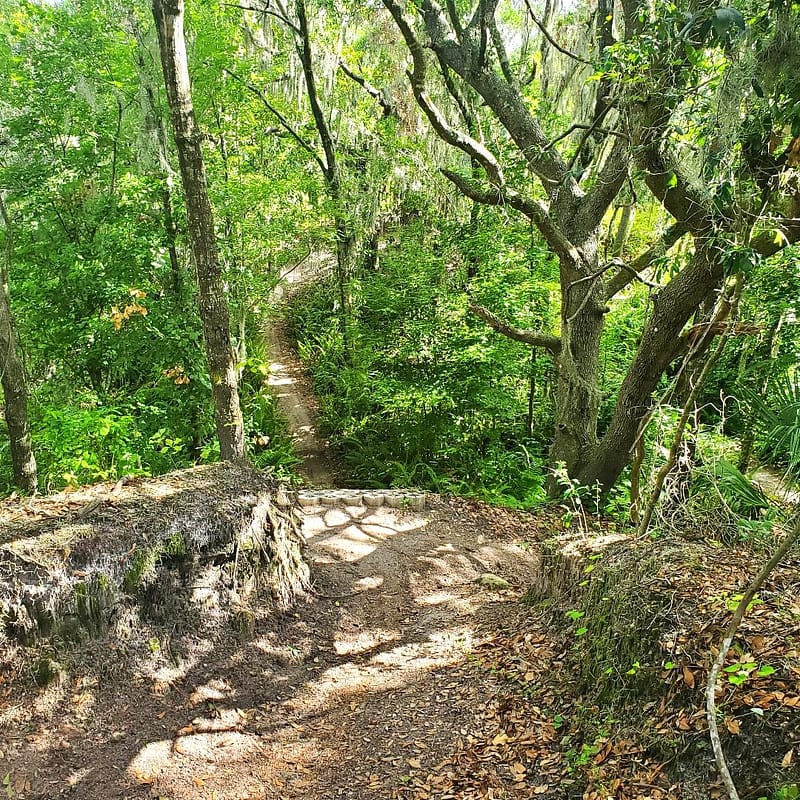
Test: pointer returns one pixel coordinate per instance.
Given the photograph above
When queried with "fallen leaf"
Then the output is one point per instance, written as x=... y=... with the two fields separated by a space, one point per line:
x=688 y=677
x=414 y=763
x=786 y=762
x=733 y=725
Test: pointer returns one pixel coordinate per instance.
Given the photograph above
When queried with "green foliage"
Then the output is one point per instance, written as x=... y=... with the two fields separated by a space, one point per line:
x=778 y=414
x=736 y=490
x=430 y=397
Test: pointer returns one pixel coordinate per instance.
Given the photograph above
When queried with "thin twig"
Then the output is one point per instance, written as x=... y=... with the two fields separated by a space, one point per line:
x=267 y=12
x=716 y=667
x=582 y=126
x=552 y=41
x=688 y=408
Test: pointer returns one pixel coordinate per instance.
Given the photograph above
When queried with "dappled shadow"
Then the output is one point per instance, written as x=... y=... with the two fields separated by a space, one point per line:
x=331 y=700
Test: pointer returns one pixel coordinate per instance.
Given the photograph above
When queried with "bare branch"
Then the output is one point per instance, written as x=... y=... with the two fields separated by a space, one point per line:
x=454 y=19
x=628 y=273
x=504 y=99
x=500 y=49
x=579 y=126
x=535 y=210
x=372 y=91
x=550 y=343
x=472 y=147
x=266 y=11
x=733 y=626
x=281 y=119
x=610 y=180
x=303 y=45
x=552 y=41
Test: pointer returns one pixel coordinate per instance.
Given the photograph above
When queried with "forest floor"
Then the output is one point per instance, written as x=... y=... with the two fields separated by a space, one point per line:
x=364 y=690
x=412 y=672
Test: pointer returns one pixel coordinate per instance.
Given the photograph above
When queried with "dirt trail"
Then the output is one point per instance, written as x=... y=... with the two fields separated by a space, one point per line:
x=358 y=693
x=292 y=387
x=772 y=483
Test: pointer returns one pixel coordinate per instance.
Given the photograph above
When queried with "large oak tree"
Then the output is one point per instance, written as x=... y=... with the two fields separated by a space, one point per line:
x=647 y=66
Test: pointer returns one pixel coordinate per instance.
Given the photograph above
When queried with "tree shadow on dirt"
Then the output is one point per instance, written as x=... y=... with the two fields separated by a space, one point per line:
x=326 y=700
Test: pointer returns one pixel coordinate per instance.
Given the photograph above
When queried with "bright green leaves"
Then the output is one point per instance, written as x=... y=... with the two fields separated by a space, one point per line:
x=740 y=672
x=740 y=261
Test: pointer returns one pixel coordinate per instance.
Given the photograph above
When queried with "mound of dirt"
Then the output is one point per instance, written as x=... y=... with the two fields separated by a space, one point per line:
x=180 y=547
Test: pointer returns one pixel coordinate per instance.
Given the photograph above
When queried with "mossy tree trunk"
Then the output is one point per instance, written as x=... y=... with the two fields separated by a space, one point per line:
x=213 y=305
x=12 y=376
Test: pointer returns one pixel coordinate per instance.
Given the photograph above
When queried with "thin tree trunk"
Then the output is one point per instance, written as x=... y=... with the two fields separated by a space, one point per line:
x=688 y=411
x=344 y=236
x=15 y=386
x=624 y=229
x=156 y=140
x=765 y=352
x=577 y=364
x=213 y=306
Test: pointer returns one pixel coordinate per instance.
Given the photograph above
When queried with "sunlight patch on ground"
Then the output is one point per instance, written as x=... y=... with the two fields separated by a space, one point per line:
x=435 y=599
x=370 y=582
x=215 y=689
x=351 y=644
x=354 y=532
x=351 y=544
x=209 y=756
x=390 y=669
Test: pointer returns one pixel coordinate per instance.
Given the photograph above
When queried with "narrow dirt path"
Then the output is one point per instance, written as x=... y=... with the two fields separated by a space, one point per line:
x=772 y=483
x=292 y=387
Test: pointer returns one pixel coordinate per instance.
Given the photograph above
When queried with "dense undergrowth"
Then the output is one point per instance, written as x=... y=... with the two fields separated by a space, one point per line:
x=429 y=396
x=155 y=418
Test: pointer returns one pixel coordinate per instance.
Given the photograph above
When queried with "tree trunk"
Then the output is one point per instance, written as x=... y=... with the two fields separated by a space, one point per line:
x=624 y=229
x=660 y=343
x=15 y=387
x=157 y=157
x=577 y=364
x=213 y=306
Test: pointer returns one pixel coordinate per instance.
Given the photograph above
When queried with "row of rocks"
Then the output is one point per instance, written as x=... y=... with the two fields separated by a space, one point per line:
x=393 y=498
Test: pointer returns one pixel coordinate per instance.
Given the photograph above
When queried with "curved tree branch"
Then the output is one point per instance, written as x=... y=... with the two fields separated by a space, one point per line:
x=630 y=272
x=535 y=210
x=284 y=123
x=548 y=36
x=550 y=343
x=465 y=143
x=382 y=97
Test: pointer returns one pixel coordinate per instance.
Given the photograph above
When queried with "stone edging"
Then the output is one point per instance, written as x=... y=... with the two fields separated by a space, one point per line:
x=393 y=498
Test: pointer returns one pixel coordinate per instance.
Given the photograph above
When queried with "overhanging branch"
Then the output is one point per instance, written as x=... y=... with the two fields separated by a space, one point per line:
x=548 y=36
x=473 y=148
x=628 y=273
x=535 y=210
x=381 y=97
x=281 y=119
x=546 y=341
